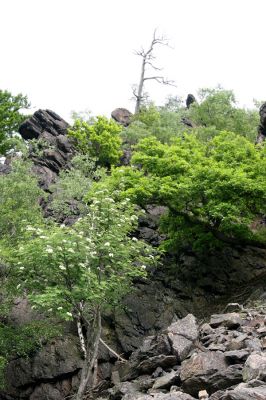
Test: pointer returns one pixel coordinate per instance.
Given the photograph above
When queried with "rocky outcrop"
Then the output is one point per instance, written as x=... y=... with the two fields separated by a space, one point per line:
x=190 y=100
x=54 y=149
x=262 y=126
x=43 y=123
x=122 y=116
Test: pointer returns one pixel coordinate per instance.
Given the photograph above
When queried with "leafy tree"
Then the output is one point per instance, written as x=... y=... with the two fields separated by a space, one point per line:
x=214 y=191
x=100 y=140
x=10 y=118
x=161 y=122
x=19 y=202
x=72 y=186
x=218 y=109
x=76 y=272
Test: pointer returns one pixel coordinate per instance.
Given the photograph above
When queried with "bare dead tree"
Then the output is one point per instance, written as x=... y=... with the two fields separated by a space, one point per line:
x=148 y=58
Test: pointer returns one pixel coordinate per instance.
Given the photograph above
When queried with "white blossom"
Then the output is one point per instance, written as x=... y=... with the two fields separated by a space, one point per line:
x=30 y=228
x=134 y=239
x=21 y=268
x=111 y=255
x=69 y=314
x=143 y=267
x=62 y=267
x=70 y=250
x=49 y=250
x=60 y=308
x=107 y=244
x=43 y=237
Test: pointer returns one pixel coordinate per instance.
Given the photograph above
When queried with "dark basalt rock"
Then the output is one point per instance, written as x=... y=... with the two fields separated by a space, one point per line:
x=190 y=100
x=122 y=116
x=43 y=121
x=57 y=148
x=262 y=126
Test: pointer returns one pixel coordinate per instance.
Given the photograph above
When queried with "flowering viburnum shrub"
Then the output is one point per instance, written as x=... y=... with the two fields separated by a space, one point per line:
x=71 y=270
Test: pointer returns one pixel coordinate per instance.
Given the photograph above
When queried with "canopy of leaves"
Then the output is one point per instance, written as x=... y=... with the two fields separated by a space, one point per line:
x=218 y=109
x=19 y=202
x=99 y=139
x=214 y=191
x=10 y=118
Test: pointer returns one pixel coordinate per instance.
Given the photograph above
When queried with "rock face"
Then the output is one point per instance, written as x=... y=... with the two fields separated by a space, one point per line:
x=122 y=116
x=34 y=378
x=54 y=149
x=262 y=126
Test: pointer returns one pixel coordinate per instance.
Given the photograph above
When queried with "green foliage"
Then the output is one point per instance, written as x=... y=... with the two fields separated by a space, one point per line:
x=22 y=341
x=162 y=122
x=73 y=184
x=10 y=118
x=93 y=262
x=218 y=109
x=19 y=202
x=100 y=140
x=213 y=190
x=3 y=362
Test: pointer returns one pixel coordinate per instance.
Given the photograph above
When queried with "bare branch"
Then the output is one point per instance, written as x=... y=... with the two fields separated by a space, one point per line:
x=147 y=60
x=112 y=351
x=153 y=66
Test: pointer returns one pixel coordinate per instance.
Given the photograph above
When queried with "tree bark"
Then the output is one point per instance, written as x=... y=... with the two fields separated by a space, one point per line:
x=140 y=87
x=93 y=340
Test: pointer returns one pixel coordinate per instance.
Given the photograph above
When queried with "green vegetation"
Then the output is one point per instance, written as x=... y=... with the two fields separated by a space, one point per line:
x=10 y=119
x=100 y=140
x=218 y=109
x=19 y=202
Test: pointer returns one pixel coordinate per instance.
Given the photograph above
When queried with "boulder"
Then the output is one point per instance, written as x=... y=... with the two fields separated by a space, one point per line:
x=182 y=335
x=208 y=370
x=229 y=320
x=190 y=100
x=167 y=380
x=245 y=391
x=236 y=356
x=255 y=367
x=122 y=116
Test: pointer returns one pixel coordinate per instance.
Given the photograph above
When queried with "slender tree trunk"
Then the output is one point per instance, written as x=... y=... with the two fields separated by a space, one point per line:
x=93 y=340
x=81 y=338
x=140 y=87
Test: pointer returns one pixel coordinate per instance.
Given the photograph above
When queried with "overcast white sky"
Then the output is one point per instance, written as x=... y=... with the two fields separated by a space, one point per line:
x=78 y=54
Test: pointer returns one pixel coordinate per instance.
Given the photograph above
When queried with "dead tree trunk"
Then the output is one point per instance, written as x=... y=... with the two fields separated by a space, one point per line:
x=147 y=61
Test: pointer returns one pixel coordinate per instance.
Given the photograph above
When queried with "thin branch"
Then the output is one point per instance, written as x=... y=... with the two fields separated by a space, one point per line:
x=112 y=351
